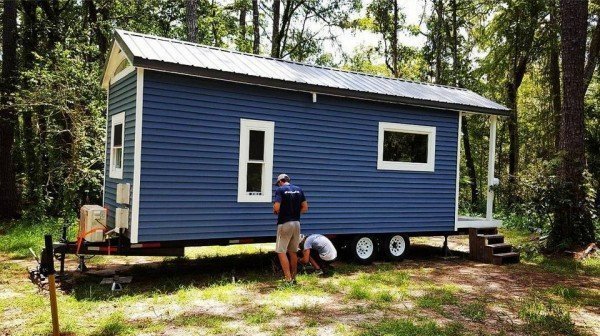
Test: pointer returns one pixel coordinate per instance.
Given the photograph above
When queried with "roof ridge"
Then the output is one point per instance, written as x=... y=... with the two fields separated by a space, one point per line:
x=287 y=61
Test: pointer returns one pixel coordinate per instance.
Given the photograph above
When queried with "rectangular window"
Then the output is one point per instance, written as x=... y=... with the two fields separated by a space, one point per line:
x=406 y=147
x=117 y=136
x=256 y=160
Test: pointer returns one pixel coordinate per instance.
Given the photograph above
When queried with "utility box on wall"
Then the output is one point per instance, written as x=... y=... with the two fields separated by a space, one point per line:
x=122 y=218
x=92 y=223
x=123 y=191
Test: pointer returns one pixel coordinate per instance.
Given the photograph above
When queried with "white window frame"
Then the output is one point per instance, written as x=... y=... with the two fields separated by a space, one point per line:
x=429 y=166
x=116 y=119
x=247 y=125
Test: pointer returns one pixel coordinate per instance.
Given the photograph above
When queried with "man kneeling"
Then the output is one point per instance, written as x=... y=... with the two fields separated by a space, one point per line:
x=318 y=250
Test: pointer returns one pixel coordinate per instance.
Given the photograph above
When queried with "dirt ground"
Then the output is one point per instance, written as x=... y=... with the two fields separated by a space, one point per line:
x=224 y=292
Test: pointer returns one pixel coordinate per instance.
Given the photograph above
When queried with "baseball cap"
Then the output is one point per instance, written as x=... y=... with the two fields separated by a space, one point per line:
x=282 y=177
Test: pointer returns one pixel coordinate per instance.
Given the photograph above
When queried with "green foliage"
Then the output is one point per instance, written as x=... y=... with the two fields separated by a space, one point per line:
x=70 y=150
x=18 y=236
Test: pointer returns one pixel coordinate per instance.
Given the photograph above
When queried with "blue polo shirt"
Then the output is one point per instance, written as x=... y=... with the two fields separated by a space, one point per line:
x=290 y=198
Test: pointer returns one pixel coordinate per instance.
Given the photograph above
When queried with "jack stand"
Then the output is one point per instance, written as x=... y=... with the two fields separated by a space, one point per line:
x=446 y=250
x=82 y=267
x=445 y=247
x=116 y=282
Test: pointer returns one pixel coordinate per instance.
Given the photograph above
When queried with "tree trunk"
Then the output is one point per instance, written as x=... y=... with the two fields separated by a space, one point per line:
x=513 y=135
x=470 y=164
x=9 y=198
x=395 y=40
x=31 y=161
x=572 y=223
x=275 y=47
x=554 y=74
x=242 y=22
x=101 y=40
x=191 y=20
x=255 y=27
x=439 y=9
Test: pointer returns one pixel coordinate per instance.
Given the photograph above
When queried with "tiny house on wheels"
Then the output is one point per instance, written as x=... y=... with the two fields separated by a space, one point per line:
x=196 y=136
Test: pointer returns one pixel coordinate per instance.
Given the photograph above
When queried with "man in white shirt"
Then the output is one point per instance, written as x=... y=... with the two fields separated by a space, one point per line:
x=318 y=250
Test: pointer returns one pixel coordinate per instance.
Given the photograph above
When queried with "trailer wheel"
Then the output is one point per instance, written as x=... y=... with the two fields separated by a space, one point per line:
x=363 y=249
x=395 y=247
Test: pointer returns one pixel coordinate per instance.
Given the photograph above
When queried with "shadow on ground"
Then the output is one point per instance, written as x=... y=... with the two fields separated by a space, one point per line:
x=172 y=274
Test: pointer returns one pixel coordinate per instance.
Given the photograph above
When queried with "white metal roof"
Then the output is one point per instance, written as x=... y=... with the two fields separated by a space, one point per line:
x=165 y=54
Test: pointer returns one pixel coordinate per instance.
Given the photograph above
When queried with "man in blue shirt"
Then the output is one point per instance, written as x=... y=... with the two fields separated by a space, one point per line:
x=289 y=203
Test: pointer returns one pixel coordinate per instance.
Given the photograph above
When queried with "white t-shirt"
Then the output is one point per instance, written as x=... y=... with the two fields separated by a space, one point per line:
x=322 y=245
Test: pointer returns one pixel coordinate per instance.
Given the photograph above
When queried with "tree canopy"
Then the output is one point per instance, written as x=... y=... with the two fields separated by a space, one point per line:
x=538 y=57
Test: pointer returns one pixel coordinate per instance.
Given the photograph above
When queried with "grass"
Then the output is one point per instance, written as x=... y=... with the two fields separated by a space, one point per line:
x=391 y=327
x=16 y=237
x=475 y=311
x=545 y=317
x=113 y=325
x=260 y=315
x=435 y=298
x=231 y=290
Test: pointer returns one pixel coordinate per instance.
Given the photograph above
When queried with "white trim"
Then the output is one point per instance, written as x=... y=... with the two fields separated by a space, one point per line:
x=117 y=119
x=246 y=125
x=129 y=69
x=137 y=157
x=489 y=208
x=458 y=143
x=429 y=166
x=117 y=55
x=478 y=223
x=104 y=172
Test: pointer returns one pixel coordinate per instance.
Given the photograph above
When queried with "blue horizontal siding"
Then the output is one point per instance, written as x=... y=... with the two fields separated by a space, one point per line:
x=190 y=157
x=121 y=98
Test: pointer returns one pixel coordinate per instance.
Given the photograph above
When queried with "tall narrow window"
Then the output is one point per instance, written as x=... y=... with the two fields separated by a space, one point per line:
x=256 y=160
x=406 y=147
x=117 y=136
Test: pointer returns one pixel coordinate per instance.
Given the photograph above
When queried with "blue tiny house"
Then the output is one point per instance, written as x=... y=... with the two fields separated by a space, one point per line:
x=197 y=135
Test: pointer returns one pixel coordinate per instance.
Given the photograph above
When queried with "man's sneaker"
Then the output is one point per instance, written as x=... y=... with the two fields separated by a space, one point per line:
x=319 y=272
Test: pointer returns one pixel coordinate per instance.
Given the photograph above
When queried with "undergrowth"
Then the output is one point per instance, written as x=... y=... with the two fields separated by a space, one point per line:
x=16 y=237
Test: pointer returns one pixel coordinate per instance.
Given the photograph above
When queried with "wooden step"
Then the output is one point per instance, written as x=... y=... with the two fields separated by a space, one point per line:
x=499 y=247
x=491 y=238
x=505 y=258
x=487 y=231
x=491 y=249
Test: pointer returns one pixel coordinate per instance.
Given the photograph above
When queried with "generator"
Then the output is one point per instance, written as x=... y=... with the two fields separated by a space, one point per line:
x=92 y=223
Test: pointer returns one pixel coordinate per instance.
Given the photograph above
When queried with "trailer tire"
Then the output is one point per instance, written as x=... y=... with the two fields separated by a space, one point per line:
x=395 y=246
x=363 y=248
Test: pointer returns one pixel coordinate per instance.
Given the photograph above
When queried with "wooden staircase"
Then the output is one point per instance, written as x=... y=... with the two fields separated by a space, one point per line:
x=486 y=245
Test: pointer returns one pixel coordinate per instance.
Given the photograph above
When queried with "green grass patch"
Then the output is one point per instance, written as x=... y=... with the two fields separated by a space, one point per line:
x=390 y=327
x=475 y=311
x=359 y=292
x=545 y=317
x=201 y=320
x=113 y=325
x=260 y=315
x=435 y=298
x=16 y=237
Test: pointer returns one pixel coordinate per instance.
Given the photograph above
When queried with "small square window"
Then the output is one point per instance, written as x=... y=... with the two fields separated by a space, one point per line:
x=406 y=147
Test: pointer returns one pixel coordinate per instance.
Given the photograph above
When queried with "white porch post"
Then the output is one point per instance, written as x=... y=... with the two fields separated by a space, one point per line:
x=489 y=209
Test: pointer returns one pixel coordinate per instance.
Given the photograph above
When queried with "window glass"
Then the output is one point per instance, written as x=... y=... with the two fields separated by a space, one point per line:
x=405 y=147
x=254 y=178
x=118 y=158
x=118 y=137
x=257 y=145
